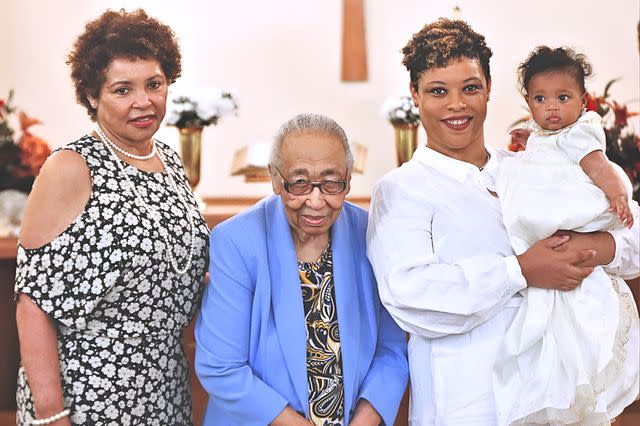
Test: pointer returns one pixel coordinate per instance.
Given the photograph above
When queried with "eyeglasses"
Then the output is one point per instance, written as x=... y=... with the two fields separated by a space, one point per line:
x=327 y=187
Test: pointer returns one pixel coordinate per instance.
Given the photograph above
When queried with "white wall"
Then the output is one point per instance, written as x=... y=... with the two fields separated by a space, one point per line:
x=283 y=57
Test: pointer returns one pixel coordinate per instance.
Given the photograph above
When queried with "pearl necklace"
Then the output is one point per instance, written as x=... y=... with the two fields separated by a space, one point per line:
x=108 y=141
x=153 y=211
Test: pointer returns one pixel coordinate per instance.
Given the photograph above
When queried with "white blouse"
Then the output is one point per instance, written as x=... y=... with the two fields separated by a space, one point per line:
x=447 y=274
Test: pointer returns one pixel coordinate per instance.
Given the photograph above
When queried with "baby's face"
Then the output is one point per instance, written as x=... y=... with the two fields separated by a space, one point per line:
x=555 y=99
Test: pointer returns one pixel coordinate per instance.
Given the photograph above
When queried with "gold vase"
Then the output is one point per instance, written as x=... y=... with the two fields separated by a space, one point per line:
x=190 y=148
x=406 y=141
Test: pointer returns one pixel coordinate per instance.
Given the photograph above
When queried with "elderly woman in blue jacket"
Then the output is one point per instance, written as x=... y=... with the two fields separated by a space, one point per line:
x=291 y=330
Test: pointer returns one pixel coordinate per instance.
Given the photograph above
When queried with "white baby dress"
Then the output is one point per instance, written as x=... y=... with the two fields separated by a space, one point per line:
x=568 y=357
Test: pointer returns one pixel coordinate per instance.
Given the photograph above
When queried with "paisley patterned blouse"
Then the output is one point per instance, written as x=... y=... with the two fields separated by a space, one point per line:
x=324 y=359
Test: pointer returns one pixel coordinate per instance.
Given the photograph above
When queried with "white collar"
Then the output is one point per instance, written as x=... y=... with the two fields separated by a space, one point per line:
x=448 y=166
x=586 y=117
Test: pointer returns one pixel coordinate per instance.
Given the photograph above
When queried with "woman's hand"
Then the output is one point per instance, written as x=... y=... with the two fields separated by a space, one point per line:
x=39 y=353
x=365 y=414
x=290 y=417
x=602 y=242
x=550 y=264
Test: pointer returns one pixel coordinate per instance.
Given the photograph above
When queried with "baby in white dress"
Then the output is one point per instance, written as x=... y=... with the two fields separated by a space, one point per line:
x=569 y=357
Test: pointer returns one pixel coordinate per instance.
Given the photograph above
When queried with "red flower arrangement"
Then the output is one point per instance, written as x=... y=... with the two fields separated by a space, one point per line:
x=623 y=143
x=21 y=160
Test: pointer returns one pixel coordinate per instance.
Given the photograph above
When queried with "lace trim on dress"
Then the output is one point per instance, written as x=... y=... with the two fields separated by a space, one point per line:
x=582 y=411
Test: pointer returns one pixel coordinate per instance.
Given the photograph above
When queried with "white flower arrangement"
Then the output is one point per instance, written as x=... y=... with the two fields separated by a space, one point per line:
x=200 y=108
x=400 y=110
x=12 y=204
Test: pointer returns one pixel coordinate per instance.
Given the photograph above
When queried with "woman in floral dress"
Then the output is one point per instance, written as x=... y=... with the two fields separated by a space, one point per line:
x=113 y=248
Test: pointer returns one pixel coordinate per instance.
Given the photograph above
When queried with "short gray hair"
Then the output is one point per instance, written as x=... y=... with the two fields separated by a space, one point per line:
x=307 y=123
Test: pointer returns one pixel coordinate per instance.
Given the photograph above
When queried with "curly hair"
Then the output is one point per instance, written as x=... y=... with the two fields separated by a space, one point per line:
x=121 y=34
x=440 y=42
x=544 y=59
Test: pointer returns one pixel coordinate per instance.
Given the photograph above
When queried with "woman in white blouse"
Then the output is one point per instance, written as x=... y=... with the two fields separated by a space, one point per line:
x=442 y=258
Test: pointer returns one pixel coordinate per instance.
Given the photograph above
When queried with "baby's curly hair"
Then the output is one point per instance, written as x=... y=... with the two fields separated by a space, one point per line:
x=440 y=42
x=544 y=59
x=121 y=34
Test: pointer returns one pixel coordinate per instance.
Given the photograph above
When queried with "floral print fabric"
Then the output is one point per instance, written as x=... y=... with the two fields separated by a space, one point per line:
x=118 y=305
x=324 y=359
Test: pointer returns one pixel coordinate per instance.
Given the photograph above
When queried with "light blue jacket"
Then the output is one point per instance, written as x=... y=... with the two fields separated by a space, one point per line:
x=251 y=332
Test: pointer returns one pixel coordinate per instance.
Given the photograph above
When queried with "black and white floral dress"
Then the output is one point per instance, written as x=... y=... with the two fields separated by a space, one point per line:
x=118 y=305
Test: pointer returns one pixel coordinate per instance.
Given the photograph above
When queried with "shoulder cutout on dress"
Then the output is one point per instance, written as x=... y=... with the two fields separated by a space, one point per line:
x=58 y=196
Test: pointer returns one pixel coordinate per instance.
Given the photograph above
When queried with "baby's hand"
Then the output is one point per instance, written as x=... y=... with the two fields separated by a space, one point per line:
x=519 y=139
x=620 y=206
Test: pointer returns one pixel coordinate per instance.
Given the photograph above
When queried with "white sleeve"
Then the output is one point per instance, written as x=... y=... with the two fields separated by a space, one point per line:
x=584 y=137
x=626 y=261
x=423 y=295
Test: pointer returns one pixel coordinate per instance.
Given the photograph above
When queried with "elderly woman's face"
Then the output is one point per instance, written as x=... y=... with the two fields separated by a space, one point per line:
x=453 y=106
x=312 y=157
x=132 y=100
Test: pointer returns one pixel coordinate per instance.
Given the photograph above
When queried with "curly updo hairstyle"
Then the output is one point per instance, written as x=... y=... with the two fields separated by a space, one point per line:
x=131 y=35
x=544 y=59
x=440 y=42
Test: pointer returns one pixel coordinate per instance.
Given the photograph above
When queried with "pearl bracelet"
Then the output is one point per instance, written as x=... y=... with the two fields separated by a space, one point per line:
x=54 y=418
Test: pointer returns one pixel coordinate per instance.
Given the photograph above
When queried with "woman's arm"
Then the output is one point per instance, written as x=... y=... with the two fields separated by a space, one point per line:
x=555 y=263
x=626 y=261
x=428 y=297
x=222 y=341
x=290 y=417
x=365 y=415
x=424 y=295
x=602 y=244
x=39 y=355
x=617 y=250
x=57 y=197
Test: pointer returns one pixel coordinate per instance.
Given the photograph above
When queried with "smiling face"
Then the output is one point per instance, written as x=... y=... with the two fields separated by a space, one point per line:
x=314 y=157
x=453 y=106
x=132 y=101
x=555 y=99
